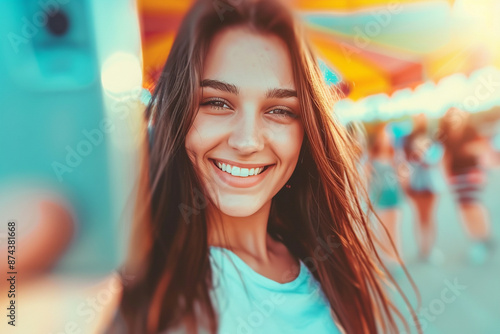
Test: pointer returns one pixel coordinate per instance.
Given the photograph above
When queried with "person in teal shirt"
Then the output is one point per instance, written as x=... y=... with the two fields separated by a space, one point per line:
x=249 y=217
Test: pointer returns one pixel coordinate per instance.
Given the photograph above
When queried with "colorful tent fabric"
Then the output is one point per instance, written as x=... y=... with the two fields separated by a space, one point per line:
x=374 y=46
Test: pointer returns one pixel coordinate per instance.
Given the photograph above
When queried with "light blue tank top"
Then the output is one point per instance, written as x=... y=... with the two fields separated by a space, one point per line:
x=249 y=303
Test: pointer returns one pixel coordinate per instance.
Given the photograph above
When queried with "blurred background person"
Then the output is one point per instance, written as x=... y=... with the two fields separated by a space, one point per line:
x=421 y=186
x=464 y=148
x=384 y=188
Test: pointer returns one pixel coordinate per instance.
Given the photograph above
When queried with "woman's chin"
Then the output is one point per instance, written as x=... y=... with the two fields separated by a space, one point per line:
x=236 y=207
x=238 y=211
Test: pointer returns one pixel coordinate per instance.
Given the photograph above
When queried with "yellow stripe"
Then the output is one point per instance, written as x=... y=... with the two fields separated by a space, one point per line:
x=346 y=5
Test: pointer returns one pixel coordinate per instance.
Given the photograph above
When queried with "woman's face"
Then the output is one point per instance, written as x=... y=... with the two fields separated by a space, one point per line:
x=247 y=135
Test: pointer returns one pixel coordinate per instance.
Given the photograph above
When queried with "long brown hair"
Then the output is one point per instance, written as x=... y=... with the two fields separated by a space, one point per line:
x=169 y=258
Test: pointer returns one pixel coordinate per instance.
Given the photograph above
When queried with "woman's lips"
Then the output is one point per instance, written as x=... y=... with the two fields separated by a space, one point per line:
x=238 y=181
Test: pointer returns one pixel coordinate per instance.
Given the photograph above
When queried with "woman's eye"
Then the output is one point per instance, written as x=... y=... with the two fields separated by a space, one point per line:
x=282 y=113
x=216 y=104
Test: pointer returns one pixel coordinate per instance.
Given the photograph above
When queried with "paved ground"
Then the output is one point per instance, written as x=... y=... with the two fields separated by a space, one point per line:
x=457 y=296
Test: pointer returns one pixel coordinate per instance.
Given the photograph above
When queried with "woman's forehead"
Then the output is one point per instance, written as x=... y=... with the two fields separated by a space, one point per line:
x=249 y=59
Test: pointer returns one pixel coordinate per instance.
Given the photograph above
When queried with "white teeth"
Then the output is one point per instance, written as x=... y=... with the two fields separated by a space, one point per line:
x=237 y=171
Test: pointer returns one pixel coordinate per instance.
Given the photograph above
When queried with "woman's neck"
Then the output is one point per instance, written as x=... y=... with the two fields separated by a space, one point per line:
x=242 y=234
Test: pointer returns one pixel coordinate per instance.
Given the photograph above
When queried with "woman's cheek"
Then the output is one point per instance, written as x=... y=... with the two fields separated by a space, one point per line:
x=201 y=132
x=290 y=138
x=287 y=144
x=282 y=133
x=210 y=127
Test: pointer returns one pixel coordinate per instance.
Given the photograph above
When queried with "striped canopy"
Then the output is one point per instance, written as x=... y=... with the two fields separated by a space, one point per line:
x=374 y=46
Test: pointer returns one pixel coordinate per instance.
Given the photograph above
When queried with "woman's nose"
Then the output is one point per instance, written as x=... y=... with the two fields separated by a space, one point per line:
x=247 y=134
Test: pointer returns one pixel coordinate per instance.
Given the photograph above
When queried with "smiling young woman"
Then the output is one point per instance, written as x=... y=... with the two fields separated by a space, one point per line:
x=248 y=216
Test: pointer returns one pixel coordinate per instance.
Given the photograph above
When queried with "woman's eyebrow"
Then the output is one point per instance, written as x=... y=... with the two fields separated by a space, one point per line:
x=276 y=93
x=220 y=85
x=280 y=93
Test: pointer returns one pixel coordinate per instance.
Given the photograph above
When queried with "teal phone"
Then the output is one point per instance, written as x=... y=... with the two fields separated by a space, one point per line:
x=55 y=129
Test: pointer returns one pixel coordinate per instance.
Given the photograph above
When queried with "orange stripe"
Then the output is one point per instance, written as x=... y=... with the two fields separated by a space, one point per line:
x=170 y=6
